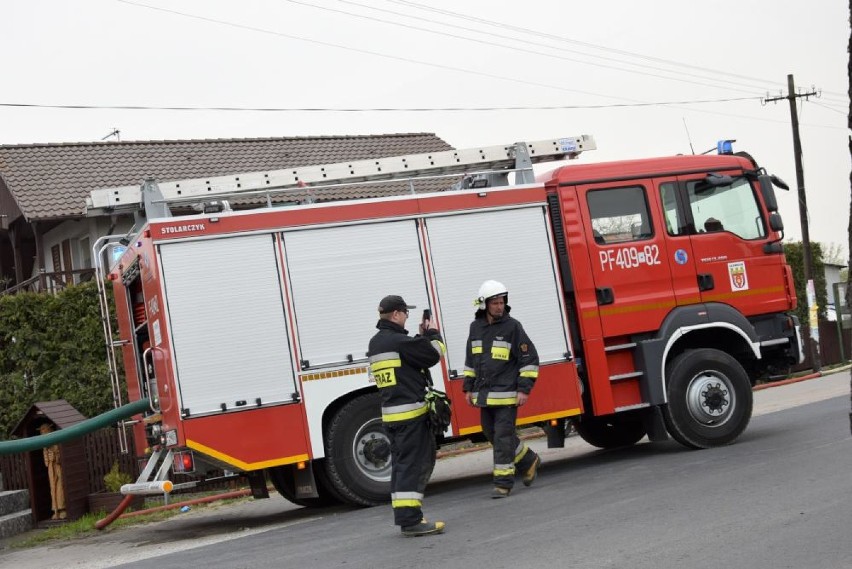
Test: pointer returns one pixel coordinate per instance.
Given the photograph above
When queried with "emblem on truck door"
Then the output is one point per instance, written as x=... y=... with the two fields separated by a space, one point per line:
x=737 y=273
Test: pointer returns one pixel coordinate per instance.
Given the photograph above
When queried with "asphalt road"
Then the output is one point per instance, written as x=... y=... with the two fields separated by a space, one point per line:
x=779 y=497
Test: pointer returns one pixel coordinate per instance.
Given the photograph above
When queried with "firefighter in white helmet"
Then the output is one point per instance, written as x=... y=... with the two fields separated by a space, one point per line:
x=501 y=366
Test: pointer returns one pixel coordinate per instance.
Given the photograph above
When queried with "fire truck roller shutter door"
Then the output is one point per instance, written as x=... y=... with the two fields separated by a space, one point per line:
x=513 y=247
x=256 y=348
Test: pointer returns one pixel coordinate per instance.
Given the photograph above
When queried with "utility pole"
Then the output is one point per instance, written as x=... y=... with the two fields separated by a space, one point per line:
x=807 y=261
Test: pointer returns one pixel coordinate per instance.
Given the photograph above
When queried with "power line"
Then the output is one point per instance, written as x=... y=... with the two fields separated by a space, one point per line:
x=416 y=61
x=578 y=42
x=672 y=104
x=516 y=48
x=834 y=97
x=827 y=107
x=369 y=52
x=375 y=109
x=834 y=94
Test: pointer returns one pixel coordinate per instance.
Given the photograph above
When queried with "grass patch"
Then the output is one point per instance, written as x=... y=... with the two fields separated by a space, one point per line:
x=85 y=526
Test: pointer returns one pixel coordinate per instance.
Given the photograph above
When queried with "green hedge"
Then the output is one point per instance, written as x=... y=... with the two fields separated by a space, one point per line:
x=52 y=347
x=793 y=252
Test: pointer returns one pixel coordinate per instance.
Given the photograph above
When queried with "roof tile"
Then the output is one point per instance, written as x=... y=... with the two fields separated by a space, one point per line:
x=52 y=181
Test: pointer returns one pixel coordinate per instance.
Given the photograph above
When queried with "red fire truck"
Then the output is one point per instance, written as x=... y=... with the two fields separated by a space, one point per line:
x=656 y=292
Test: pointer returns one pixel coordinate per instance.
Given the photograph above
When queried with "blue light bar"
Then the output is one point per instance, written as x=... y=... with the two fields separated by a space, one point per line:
x=725 y=147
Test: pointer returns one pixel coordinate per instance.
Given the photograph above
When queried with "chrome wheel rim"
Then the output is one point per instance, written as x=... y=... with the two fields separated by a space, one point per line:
x=370 y=444
x=710 y=398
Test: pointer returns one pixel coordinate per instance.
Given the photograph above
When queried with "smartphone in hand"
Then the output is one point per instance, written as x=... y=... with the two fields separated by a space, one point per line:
x=426 y=322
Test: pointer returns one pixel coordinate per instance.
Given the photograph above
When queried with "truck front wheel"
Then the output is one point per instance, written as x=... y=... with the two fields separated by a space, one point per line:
x=611 y=431
x=710 y=398
x=358 y=460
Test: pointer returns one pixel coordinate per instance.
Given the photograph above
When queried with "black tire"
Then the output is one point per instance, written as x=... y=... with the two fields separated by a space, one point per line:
x=357 y=449
x=710 y=398
x=283 y=479
x=611 y=431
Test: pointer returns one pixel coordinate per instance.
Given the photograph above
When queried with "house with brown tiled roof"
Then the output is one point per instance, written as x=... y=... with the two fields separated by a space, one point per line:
x=46 y=238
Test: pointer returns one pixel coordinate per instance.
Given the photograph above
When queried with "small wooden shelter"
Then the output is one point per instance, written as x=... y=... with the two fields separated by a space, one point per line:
x=73 y=481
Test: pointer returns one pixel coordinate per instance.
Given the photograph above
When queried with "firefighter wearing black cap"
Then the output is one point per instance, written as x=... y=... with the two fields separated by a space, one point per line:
x=501 y=366
x=399 y=364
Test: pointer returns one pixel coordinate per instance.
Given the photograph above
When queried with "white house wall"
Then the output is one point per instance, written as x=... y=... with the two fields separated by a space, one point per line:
x=77 y=230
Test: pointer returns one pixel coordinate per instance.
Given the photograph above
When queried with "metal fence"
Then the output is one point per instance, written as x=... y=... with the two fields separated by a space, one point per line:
x=834 y=345
x=51 y=282
x=102 y=451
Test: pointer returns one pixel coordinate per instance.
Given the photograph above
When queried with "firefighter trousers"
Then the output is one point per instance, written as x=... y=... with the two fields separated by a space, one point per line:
x=511 y=455
x=413 y=449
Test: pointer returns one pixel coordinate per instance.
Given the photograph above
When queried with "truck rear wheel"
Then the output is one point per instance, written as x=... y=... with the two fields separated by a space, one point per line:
x=710 y=398
x=358 y=459
x=611 y=431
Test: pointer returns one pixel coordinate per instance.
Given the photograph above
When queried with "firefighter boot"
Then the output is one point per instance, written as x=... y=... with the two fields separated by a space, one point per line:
x=423 y=528
x=532 y=472
x=500 y=492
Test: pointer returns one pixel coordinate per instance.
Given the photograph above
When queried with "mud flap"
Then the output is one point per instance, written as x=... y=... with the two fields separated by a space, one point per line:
x=257 y=482
x=555 y=434
x=654 y=425
x=306 y=486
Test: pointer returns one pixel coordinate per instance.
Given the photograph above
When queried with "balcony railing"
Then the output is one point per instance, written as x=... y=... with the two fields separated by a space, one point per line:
x=51 y=283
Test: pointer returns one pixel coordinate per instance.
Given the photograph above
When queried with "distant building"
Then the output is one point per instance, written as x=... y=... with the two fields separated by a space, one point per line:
x=832 y=277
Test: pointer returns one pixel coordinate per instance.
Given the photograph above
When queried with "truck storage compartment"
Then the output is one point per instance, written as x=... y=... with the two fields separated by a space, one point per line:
x=227 y=325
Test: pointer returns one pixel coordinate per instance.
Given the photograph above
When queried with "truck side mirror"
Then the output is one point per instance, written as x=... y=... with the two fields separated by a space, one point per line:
x=775 y=221
x=779 y=182
x=768 y=193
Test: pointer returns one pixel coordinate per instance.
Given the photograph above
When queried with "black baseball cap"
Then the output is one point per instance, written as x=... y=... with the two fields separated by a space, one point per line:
x=393 y=302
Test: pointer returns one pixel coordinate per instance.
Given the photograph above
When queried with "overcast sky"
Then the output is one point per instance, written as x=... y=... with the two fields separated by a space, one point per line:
x=599 y=62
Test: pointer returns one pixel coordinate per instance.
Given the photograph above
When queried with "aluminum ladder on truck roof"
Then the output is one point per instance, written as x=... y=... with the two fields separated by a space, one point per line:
x=518 y=157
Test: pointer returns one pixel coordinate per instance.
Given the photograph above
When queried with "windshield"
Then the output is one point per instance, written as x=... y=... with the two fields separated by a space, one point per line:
x=732 y=208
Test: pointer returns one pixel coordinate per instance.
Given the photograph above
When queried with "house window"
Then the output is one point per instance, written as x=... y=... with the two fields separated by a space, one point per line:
x=83 y=259
x=84 y=254
x=56 y=259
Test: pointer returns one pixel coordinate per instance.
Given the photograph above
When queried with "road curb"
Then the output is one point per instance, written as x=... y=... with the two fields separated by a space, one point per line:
x=790 y=380
x=787 y=381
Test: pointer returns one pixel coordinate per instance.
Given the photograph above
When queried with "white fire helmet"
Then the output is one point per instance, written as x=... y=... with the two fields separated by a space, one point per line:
x=488 y=290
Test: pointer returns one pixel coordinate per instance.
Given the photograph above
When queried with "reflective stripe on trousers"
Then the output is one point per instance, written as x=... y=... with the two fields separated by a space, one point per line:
x=396 y=413
x=406 y=499
x=511 y=455
x=412 y=460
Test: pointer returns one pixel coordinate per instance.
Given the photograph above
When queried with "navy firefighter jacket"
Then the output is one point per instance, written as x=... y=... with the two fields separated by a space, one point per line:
x=500 y=361
x=399 y=364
